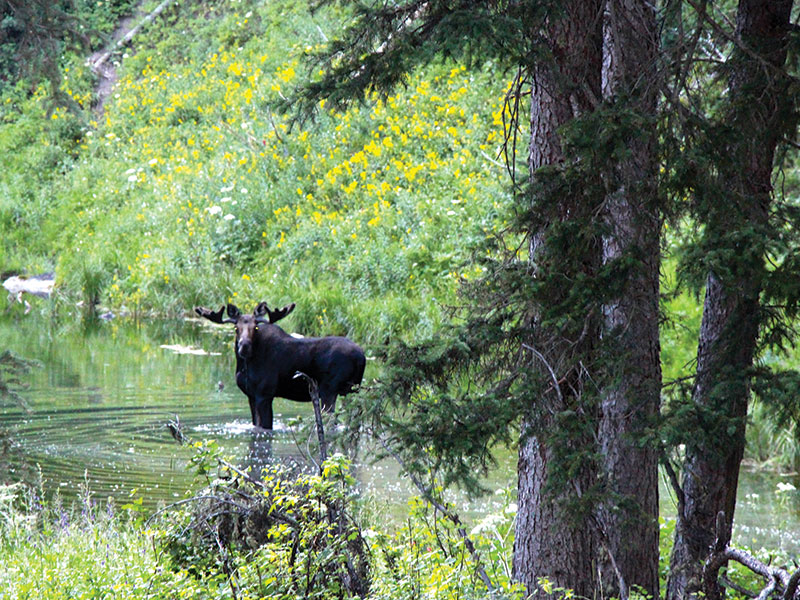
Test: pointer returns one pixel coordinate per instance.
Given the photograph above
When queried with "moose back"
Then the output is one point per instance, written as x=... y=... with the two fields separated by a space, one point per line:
x=268 y=360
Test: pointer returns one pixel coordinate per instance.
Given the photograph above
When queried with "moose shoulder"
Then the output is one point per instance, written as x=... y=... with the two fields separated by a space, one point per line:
x=267 y=360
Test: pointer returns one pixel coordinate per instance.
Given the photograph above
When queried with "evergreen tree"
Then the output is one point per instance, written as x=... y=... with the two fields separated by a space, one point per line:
x=634 y=207
x=546 y=332
x=555 y=534
x=743 y=230
x=557 y=347
x=34 y=34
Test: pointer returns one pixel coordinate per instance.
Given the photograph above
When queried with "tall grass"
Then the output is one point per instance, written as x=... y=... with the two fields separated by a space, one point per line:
x=87 y=551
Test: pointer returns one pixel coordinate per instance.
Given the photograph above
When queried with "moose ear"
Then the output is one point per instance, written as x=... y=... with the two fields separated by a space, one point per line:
x=278 y=314
x=233 y=312
x=214 y=317
x=260 y=310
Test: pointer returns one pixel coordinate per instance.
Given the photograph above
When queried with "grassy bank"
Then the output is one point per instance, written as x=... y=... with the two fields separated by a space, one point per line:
x=191 y=188
x=94 y=549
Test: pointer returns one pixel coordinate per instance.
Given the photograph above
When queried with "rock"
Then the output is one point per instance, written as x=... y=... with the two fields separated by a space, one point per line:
x=39 y=285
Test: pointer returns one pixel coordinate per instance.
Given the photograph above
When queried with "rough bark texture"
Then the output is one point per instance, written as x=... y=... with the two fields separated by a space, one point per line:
x=731 y=309
x=632 y=397
x=552 y=542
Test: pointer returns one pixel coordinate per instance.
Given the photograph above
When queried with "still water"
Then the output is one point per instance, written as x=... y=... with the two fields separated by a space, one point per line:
x=96 y=411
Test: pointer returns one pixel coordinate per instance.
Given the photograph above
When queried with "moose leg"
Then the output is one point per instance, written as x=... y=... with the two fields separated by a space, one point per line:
x=327 y=401
x=253 y=414
x=263 y=417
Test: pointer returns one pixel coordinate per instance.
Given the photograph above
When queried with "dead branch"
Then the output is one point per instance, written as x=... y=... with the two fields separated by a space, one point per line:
x=777 y=579
x=313 y=391
x=130 y=35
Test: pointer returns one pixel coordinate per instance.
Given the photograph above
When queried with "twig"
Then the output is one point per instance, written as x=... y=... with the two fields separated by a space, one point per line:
x=676 y=487
x=791 y=585
x=727 y=583
x=556 y=384
x=452 y=516
x=176 y=429
x=313 y=391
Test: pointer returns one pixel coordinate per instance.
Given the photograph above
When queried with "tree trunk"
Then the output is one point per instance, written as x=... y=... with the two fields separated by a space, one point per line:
x=758 y=103
x=552 y=541
x=631 y=398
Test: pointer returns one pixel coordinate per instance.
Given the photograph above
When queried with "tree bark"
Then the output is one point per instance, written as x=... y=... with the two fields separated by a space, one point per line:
x=553 y=542
x=631 y=398
x=758 y=103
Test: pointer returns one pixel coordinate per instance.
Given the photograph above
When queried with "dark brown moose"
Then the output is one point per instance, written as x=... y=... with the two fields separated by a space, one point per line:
x=268 y=361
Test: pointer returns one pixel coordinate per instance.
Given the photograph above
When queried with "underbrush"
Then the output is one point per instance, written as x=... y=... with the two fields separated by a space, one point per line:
x=280 y=535
x=89 y=550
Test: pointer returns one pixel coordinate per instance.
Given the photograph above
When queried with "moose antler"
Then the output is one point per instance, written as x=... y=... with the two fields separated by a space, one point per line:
x=274 y=315
x=214 y=316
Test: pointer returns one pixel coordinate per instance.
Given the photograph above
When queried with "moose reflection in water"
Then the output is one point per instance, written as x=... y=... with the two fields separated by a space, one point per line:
x=268 y=361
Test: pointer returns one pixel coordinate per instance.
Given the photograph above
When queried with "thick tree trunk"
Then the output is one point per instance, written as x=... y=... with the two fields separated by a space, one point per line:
x=631 y=398
x=758 y=102
x=553 y=542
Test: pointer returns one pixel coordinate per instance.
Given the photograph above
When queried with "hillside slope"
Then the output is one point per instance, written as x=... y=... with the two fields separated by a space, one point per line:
x=193 y=189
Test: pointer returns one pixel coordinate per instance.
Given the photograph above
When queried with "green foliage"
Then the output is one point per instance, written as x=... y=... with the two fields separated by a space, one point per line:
x=52 y=551
x=36 y=36
x=279 y=535
x=741 y=233
x=525 y=340
x=94 y=550
x=427 y=410
x=193 y=190
x=426 y=558
x=378 y=45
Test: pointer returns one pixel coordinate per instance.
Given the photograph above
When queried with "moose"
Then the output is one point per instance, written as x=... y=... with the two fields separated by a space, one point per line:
x=269 y=361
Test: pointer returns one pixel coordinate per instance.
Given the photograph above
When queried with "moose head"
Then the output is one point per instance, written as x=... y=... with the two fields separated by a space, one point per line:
x=246 y=325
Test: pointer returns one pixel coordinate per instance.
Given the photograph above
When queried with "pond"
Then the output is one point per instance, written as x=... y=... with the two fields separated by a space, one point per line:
x=96 y=411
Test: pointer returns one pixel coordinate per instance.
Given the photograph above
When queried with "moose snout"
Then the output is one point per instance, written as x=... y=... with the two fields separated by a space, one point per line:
x=244 y=348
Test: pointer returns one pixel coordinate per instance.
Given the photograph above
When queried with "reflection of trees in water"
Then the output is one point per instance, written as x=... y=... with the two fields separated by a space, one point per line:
x=265 y=451
x=12 y=368
x=13 y=466
x=297 y=450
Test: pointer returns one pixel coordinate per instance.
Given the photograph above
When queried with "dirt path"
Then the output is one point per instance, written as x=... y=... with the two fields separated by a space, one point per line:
x=101 y=63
